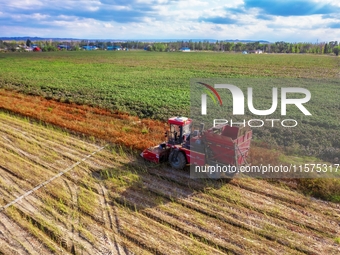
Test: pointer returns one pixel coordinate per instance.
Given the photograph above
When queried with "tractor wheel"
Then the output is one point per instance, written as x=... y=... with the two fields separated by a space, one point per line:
x=177 y=161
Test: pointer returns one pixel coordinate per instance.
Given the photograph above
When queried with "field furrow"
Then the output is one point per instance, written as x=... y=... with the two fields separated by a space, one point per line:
x=16 y=240
x=269 y=227
x=115 y=203
x=288 y=196
x=62 y=138
x=202 y=226
x=275 y=205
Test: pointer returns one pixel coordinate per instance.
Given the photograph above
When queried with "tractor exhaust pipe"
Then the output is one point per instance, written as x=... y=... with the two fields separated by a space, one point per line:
x=201 y=129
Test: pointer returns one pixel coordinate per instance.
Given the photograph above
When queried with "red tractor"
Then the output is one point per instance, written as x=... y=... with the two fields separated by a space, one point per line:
x=36 y=49
x=223 y=145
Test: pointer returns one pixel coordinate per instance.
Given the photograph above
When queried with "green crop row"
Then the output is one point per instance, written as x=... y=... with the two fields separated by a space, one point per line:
x=157 y=85
x=147 y=84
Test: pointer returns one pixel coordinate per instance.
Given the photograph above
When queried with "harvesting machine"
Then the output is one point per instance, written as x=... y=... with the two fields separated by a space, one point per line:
x=223 y=145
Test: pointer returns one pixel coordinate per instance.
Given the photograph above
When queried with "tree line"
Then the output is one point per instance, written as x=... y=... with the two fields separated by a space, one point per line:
x=225 y=46
x=277 y=47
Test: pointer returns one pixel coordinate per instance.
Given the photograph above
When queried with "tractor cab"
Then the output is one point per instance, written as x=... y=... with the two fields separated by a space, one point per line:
x=180 y=128
x=178 y=136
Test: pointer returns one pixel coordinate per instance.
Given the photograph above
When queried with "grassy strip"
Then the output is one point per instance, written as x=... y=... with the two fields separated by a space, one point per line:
x=326 y=189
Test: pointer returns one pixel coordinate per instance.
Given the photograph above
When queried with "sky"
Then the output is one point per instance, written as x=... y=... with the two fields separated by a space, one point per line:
x=276 y=20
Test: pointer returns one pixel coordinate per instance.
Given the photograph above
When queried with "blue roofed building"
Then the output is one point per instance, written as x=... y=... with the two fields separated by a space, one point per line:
x=63 y=46
x=184 y=49
x=89 y=48
x=114 y=48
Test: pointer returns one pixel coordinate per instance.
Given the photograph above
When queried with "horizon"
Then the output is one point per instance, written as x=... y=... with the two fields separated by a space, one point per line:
x=127 y=40
x=143 y=40
x=318 y=20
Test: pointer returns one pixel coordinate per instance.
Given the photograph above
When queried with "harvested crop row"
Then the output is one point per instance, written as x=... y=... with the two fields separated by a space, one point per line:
x=160 y=237
x=199 y=215
x=49 y=154
x=225 y=197
x=56 y=214
x=259 y=194
x=11 y=186
x=16 y=240
x=161 y=187
x=38 y=145
x=290 y=212
x=56 y=210
x=53 y=237
x=269 y=227
x=44 y=162
x=24 y=125
x=115 y=127
x=203 y=227
x=25 y=214
x=88 y=224
x=286 y=195
x=23 y=168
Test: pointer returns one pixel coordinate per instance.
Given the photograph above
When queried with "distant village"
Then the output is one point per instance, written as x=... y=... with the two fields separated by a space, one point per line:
x=183 y=46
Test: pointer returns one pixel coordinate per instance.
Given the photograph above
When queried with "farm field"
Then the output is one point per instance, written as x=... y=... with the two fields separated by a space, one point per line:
x=147 y=84
x=114 y=202
x=157 y=85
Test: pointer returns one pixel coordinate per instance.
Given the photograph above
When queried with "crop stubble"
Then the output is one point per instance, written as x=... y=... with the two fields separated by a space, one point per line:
x=112 y=204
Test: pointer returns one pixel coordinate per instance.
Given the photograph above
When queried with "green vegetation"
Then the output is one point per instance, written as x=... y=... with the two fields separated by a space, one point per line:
x=336 y=50
x=148 y=84
x=326 y=189
x=157 y=85
x=337 y=240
